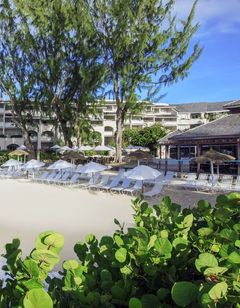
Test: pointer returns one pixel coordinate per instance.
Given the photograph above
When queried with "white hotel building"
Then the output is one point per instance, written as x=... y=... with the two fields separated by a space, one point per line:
x=173 y=117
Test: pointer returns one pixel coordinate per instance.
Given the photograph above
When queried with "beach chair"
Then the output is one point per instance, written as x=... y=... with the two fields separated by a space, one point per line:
x=125 y=184
x=190 y=180
x=168 y=178
x=104 y=180
x=133 y=190
x=226 y=183
x=237 y=184
x=91 y=181
x=43 y=176
x=50 y=176
x=63 y=178
x=55 y=178
x=155 y=191
x=202 y=181
x=114 y=183
x=73 y=180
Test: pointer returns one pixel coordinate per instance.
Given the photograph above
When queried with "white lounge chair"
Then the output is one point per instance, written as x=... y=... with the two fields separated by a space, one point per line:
x=126 y=184
x=237 y=184
x=114 y=183
x=63 y=178
x=226 y=183
x=155 y=191
x=55 y=178
x=73 y=180
x=91 y=181
x=104 y=180
x=191 y=180
x=168 y=177
x=50 y=176
x=136 y=188
x=43 y=176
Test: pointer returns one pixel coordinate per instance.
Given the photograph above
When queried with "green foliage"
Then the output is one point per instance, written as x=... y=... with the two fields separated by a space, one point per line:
x=144 y=46
x=169 y=259
x=3 y=157
x=146 y=137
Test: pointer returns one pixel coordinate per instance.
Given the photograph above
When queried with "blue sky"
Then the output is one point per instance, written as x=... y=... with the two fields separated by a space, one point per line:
x=216 y=74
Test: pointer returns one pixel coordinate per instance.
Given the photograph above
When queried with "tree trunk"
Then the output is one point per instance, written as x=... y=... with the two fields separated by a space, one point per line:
x=118 y=136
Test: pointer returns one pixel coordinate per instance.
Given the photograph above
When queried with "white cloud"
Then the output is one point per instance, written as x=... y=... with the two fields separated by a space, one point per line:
x=224 y=14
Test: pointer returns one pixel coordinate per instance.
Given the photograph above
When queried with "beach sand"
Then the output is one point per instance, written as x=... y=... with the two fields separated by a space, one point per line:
x=28 y=209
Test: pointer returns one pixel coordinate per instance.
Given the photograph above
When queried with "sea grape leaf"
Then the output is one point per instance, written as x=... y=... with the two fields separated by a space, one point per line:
x=184 y=293
x=218 y=291
x=204 y=261
x=163 y=246
x=135 y=303
x=121 y=254
x=234 y=257
x=37 y=298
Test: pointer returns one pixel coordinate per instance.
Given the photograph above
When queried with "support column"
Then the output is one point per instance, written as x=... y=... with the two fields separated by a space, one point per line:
x=238 y=156
x=198 y=154
x=39 y=139
x=166 y=159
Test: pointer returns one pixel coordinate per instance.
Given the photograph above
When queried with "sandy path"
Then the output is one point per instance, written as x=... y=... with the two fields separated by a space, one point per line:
x=30 y=208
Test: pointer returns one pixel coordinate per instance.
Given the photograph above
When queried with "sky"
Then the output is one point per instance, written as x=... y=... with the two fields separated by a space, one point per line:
x=215 y=76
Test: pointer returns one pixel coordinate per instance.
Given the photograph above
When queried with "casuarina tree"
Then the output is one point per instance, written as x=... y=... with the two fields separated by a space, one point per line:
x=144 y=46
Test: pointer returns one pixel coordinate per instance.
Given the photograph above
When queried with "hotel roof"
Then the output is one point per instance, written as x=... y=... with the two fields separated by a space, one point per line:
x=201 y=107
x=224 y=127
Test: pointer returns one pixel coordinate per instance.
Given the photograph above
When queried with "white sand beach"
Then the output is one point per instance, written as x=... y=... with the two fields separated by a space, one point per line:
x=30 y=208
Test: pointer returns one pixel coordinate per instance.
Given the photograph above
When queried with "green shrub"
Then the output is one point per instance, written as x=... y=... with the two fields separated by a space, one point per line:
x=171 y=258
x=3 y=157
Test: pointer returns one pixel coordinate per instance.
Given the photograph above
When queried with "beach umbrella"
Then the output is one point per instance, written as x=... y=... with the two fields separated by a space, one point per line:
x=213 y=157
x=55 y=147
x=100 y=148
x=60 y=165
x=22 y=147
x=91 y=167
x=142 y=173
x=33 y=164
x=138 y=155
x=19 y=153
x=85 y=148
x=75 y=148
x=12 y=163
x=73 y=156
x=65 y=148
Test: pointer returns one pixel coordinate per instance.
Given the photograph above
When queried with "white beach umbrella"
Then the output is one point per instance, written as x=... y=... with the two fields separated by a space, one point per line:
x=91 y=167
x=75 y=148
x=142 y=173
x=12 y=163
x=85 y=148
x=33 y=164
x=22 y=147
x=55 y=147
x=102 y=148
x=65 y=148
x=60 y=165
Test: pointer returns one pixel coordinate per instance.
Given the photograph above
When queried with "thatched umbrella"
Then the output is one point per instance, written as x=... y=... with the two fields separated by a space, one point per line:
x=19 y=153
x=73 y=156
x=138 y=155
x=213 y=157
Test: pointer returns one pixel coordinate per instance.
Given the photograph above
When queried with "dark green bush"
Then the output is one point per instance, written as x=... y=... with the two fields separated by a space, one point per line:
x=3 y=157
x=171 y=258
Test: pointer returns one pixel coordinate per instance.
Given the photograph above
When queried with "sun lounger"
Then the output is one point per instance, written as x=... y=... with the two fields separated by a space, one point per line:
x=237 y=184
x=226 y=183
x=168 y=178
x=155 y=191
x=92 y=180
x=55 y=178
x=104 y=180
x=73 y=180
x=191 y=180
x=50 y=176
x=42 y=176
x=136 y=188
x=114 y=183
x=126 y=184
x=63 y=178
